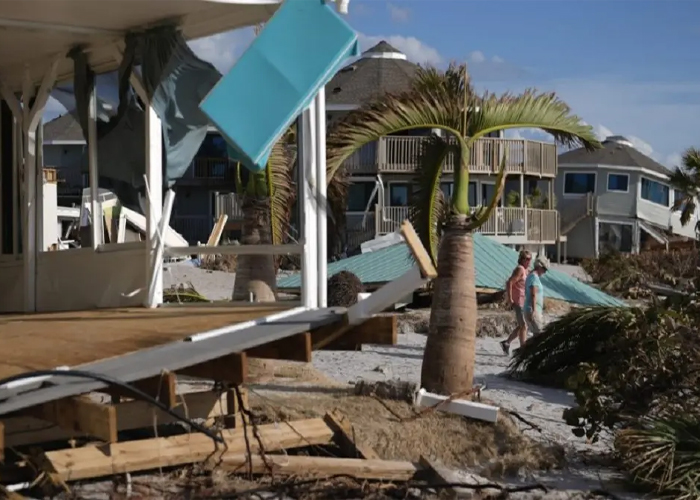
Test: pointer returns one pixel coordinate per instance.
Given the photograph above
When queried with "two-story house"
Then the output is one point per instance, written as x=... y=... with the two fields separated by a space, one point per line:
x=615 y=198
x=382 y=172
x=205 y=191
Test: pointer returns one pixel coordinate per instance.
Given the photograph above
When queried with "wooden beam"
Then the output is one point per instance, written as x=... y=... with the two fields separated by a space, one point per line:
x=294 y=348
x=232 y=369
x=346 y=438
x=380 y=470
x=420 y=254
x=377 y=330
x=163 y=388
x=2 y=442
x=23 y=431
x=437 y=474
x=80 y=415
x=147 y=454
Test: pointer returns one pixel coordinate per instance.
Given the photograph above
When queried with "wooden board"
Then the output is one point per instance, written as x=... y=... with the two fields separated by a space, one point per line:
x=46 y=341
x=380 y=470
x=81 y=415
x=378 y=330
x=98 y=461
x=25 y=430
x=346 y=438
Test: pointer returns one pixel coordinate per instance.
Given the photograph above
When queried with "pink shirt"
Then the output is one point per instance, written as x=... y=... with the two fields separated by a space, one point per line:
x=518 y=287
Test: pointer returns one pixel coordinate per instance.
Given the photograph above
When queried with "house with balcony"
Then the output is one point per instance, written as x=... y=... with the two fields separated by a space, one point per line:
x=616 y=198
x=206 y=191
x=382 y=172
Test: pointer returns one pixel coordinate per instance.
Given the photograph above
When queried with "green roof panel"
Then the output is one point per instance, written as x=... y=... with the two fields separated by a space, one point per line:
x=493 y=262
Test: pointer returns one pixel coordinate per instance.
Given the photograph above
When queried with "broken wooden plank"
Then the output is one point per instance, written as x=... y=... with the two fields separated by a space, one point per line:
x=80 y=415
x=232 y=369
x=346 y=438
x=22 y=431
x=163 y=388
x=437 y=474
x=294 y=348
x=377 y=330
x=380 y=470
x=420 y=254
x=133 y=456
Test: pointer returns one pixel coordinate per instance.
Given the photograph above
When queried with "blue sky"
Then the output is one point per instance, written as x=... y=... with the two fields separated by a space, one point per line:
x=628 y=67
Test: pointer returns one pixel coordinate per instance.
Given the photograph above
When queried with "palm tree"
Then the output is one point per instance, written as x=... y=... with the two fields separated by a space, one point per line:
x=446 y=100
x=685 y=179
x=267 y=200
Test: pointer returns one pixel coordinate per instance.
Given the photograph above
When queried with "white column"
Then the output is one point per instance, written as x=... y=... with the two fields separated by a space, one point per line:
x=307 y=164
x=93 y=172
x=321 y=198
x=154 y=206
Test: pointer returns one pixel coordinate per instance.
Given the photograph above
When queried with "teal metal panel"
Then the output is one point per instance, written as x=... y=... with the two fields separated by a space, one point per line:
x=493 y=262
x=296 y=54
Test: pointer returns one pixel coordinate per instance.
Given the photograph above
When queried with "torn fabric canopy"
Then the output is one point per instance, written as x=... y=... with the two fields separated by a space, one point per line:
x=295 y=55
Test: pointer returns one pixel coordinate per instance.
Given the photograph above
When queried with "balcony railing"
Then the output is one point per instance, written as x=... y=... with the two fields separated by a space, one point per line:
x=399 y=154
x=212 y=168
x=534 y=224
x=229 y=204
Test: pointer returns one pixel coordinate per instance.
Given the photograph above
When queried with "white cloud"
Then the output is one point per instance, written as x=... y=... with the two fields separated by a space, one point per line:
x=223 y=49
x=497 y=59
x=477 y=57
x=398 y=14
x=415 y=50
x=673 y=160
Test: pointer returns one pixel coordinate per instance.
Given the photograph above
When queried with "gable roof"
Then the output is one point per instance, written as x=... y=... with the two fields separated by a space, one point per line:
x=381 y=70
x=616 y=151
x=64 y=128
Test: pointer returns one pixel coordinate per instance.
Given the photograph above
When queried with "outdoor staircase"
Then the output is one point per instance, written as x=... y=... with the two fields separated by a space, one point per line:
x=577 y=211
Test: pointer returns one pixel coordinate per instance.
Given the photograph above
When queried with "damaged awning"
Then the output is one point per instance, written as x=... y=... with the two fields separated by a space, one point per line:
x=295 y=55
x=647 y=228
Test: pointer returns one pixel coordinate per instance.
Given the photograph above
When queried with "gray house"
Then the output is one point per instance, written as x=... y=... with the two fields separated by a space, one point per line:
x=615 y=198
x=382 y=172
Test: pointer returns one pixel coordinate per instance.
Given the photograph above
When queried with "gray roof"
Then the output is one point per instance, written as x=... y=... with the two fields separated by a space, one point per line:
x=63 y=128
x=371 y=77
x=616 y=151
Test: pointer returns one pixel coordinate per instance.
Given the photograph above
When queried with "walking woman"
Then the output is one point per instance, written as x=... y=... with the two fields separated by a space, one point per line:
x=515 y=295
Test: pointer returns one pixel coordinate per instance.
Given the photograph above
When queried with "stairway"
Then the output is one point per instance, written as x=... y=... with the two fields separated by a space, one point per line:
x=576 y=211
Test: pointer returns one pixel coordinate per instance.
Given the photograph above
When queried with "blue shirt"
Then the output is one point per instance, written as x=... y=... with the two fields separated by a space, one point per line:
x=533 y=280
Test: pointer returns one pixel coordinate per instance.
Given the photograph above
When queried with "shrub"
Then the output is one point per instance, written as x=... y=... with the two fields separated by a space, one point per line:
x=343 y=288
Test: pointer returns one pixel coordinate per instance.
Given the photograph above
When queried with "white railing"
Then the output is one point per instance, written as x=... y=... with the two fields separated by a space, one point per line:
x=228 y=204
x=534 y=224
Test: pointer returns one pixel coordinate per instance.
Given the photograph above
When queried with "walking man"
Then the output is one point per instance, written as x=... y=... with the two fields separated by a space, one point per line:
x=534 y=296
x=515 y=295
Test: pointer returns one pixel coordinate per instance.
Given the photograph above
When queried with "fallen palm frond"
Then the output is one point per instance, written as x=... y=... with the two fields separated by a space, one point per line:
x=182 y=294
x=579 y=337
x=664 y=454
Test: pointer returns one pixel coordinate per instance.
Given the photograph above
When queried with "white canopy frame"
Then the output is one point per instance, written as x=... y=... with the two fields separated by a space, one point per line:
x=204 y=17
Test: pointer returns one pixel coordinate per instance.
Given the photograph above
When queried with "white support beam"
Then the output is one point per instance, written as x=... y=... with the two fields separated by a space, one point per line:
x=97 y=230
x=321 y=198
x=154 y=205
x=56 y=28
x=12 y=101
x=307 y=164
x=290 y=249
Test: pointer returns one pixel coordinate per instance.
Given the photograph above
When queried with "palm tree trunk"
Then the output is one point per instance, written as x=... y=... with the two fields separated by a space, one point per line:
x=255 y=274
x=448 y=361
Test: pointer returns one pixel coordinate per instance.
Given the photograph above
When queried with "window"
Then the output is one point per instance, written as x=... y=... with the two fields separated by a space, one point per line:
x=398 y=195
x=446 y=188
x=618 y=183
x=472 y=195
x=617 y=237
x=577 y=183
x=488 y=191
x=655 y=192
x=677 y=196
x=359 y=195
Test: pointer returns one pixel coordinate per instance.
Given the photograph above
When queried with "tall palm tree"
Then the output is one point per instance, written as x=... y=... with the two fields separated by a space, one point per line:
x=446 y=100
x=686 y=180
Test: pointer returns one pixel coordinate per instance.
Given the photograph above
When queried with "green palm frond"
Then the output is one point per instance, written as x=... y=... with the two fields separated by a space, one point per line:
x=531 y=109
x=480 y=218
x=686 y=180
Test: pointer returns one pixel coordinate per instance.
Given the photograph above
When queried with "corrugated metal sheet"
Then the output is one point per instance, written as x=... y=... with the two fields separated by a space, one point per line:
x=494 y=263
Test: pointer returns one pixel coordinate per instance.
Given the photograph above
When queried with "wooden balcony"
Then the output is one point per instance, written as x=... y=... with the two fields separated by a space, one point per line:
x=528 y=224
x=395 y=154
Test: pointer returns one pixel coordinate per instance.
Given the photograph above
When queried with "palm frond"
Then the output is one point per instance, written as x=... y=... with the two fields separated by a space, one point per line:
x=663 y=453
x=281 y=190
x=686 y=180
x=531 y=109
x=480 y=218
x=427 y=207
